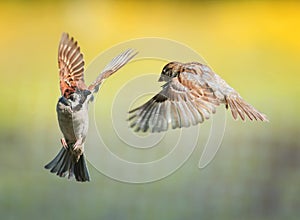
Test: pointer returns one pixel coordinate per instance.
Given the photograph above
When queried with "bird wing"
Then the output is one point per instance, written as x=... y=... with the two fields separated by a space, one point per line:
x=224 y=93
x=71 y=65
x=114 y=65
x=182 y=102
x=239 y=107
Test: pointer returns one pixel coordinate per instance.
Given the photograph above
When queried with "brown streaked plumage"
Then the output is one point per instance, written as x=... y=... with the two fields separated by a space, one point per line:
x=72 y=106
x=71 y=66
x=190 y=95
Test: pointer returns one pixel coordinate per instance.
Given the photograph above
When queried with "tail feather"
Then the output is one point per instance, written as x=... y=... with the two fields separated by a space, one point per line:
x=84 y=169
x=57 y=167
x=65 y=164
x=240 y=108
x=54 y=162
x=80 y=170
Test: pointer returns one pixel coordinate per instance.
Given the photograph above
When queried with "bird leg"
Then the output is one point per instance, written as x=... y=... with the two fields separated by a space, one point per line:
x=64 y=143
x=78 y=147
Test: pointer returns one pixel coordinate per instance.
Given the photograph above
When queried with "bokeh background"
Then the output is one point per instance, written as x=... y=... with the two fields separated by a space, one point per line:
x=254 y=45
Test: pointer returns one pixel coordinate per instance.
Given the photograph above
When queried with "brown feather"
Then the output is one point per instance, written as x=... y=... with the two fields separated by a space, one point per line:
x=71 y=66
x=115 y=64
x=239 y=106
x=190 y=95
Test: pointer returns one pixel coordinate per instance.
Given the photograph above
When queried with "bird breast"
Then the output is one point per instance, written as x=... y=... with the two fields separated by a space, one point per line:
x=73 y=120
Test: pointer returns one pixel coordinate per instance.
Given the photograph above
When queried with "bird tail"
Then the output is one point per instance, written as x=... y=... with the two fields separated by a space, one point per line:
x=65 y=164
x=239 y=106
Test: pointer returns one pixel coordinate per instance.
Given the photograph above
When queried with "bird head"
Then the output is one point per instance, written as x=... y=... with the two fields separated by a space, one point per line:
x=171 y=70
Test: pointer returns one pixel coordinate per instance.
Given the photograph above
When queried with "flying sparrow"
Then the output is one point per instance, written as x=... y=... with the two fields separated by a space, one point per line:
x=72 y=106
x=190 y=95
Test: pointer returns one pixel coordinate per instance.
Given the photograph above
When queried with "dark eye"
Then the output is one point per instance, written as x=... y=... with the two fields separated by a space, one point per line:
x=173 y=73
x=169 y=72
x=165 y=71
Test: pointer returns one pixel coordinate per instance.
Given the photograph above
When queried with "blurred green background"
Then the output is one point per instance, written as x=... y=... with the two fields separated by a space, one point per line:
x=253 y=45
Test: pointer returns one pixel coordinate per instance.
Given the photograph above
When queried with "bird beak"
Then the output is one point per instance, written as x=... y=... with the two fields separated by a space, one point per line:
x=164 y=78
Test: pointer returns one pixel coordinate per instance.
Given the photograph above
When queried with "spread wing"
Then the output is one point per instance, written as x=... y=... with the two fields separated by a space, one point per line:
x=71 y=65
x=189 y=99
x=181 y=103
x=115 y=64
x=224 y=93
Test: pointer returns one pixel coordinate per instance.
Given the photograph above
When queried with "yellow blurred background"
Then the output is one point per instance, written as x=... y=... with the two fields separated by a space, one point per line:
x=253 y=45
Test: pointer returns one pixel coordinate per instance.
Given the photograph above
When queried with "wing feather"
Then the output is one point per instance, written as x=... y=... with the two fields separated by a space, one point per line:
x=223 y=92
x=176 y=104
x=239 y=107
x=71 y=65
x=188 y=99
x=115 y=64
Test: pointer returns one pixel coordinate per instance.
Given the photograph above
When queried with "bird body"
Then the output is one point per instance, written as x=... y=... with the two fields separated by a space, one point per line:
x=190 y=95
x=73 y=118
x=72 y=107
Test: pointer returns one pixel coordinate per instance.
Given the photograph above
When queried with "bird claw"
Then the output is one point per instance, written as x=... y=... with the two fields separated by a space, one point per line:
x=64 y=143
x=78 y=147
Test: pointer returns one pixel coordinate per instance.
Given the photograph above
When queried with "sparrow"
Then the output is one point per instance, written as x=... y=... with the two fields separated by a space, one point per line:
x=72 y=107
x=190 y=95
